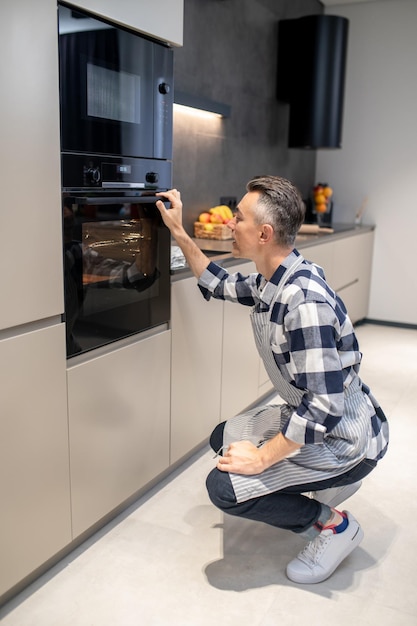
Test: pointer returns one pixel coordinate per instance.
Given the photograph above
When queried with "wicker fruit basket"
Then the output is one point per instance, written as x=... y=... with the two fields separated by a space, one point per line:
x=211 y=231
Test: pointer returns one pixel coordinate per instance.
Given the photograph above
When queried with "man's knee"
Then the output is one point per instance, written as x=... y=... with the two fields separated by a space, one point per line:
x=216 y=438
x=220 y=489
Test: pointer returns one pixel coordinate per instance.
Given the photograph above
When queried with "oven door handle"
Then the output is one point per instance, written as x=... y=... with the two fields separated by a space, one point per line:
x=118 y=200
x=108 y=184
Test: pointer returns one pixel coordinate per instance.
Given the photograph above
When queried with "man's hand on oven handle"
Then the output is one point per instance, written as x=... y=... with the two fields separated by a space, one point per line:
x=172 y=218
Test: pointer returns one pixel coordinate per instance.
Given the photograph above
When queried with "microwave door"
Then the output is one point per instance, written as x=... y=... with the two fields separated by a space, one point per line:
x=106 y=85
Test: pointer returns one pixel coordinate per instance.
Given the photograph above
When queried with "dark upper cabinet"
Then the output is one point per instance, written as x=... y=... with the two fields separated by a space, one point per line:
x=312 y=54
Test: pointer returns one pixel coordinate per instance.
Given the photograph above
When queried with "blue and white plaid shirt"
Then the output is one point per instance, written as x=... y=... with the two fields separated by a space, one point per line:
x=311 y=337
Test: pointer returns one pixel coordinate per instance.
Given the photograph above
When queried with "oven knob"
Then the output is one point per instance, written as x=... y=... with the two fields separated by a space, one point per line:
x=93 y=175
x=152 y=177
x=164 y=88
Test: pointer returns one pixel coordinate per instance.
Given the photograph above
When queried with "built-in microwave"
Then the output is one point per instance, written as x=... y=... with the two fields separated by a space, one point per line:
x=116 y=89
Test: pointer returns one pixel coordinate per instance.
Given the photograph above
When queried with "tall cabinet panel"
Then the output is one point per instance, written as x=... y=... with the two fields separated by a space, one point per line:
x=30 y=215
x=119 y=426
x=35 y=520
x=162 y=19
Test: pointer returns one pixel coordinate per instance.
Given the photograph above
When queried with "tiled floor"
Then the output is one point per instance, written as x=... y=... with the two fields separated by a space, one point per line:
x=174 y=560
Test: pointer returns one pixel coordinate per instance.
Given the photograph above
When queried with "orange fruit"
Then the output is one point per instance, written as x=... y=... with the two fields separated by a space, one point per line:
x=321 y=207
x=327 y=192
x=215 y=218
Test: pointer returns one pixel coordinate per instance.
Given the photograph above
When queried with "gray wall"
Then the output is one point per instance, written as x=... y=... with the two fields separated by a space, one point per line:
x=230 y=55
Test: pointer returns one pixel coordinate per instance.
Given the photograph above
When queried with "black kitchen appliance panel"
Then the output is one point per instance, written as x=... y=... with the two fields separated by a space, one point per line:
x=97 y=172
x=116 y=150
x=116 y=266
x=116 y=89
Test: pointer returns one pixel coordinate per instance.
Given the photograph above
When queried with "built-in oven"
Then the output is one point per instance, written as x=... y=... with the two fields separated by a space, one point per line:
x=116 y=252
x=116 y=145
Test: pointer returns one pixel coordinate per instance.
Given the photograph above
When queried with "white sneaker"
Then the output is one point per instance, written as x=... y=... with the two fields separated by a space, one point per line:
x=336 y=495
x=319 y=559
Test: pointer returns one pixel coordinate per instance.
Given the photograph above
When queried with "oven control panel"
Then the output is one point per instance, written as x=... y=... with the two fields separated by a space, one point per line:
x=80 y=171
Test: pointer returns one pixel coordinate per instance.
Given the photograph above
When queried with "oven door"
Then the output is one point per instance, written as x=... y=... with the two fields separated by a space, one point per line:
x=116 y=268
x=115 y=89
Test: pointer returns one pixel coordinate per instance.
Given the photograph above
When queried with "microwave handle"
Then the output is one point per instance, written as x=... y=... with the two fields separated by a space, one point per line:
x=118 y=200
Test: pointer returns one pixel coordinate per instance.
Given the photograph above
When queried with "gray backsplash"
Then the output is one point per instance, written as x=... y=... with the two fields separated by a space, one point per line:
x=230 y=55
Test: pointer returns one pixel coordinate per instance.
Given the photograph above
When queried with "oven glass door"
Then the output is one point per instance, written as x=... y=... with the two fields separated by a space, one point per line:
x=115 y=90
x=117 y=268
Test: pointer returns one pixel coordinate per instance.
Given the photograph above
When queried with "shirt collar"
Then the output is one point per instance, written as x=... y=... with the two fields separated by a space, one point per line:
x=269 y=287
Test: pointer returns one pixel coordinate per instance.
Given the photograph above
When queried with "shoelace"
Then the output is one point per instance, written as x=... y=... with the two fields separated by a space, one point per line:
x=312 y=552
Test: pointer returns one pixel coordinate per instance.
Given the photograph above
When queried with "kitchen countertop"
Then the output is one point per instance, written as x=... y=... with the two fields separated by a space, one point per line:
x=220 y=251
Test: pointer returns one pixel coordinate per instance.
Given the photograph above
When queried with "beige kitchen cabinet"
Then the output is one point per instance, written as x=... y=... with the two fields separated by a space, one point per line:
x=347 y=263
x=30 y=215
x=162 y=19
x=35 y=520
x=244 y=378
x=118 y=426
x=353 y=265
x=197 y=334
x=323 y=255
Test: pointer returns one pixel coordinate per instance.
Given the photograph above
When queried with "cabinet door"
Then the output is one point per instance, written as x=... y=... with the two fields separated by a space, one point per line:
x=35 y=520
x=197 y=329
x=162 y=19
x=353 y=265
x=241 y=361
x=322 y=254
x=118 y=425
x=30 y=215
x=347 y=264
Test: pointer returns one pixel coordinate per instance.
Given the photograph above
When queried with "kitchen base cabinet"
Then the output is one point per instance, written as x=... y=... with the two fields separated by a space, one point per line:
x=323 y=255
x=35 y=520
x=353 y=263
x=216 y=369
x=197 y=330
x=347 y=263
x=118 y=426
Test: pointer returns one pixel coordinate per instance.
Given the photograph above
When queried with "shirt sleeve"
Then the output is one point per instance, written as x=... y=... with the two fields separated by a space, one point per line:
x=313 y=364
x=215 y=282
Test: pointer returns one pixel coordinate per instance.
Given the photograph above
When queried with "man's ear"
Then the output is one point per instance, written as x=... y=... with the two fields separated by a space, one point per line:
x=267 y=233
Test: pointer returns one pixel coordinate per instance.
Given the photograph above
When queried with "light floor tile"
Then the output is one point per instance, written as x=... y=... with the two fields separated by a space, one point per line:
x=173 y=560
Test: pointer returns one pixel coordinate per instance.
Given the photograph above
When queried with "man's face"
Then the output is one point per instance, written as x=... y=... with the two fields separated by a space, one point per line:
x=245 y=232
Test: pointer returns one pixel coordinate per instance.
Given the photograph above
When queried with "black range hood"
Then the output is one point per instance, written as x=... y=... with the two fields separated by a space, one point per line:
x=312 y=54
